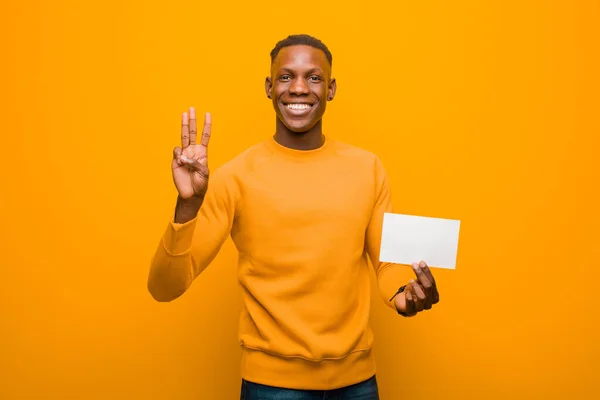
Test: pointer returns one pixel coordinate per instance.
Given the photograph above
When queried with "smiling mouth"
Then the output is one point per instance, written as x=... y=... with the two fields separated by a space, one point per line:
x=298 y=106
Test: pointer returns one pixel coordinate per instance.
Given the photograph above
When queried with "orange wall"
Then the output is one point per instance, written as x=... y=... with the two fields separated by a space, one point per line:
x=482 y=111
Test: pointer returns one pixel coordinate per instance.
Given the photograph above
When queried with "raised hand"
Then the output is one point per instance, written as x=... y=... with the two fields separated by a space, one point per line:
x=418 y=295
x=190 y=161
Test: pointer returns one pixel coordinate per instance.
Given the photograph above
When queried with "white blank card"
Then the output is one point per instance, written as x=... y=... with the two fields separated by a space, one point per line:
x=409 y=238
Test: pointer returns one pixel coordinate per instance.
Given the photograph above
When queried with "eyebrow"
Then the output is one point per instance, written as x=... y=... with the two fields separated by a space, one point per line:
x=311 y=70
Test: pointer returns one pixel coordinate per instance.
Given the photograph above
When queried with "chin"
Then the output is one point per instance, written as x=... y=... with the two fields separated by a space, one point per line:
x=298 y=126
x=301 y=125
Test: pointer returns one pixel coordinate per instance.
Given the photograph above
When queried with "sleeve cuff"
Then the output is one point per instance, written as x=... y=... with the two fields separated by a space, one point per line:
x=177 y=239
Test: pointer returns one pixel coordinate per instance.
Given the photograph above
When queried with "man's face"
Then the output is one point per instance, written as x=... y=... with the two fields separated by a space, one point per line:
x=300 y=86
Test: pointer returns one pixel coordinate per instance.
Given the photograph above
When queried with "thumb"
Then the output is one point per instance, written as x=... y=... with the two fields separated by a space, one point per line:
x=400 y=302
x=198 y=165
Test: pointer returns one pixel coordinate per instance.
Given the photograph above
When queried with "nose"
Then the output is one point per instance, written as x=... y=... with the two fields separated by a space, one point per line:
x=299 y=87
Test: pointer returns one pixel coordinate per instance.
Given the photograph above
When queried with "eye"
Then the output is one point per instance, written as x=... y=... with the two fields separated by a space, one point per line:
x=315 y=78
x=284 y=77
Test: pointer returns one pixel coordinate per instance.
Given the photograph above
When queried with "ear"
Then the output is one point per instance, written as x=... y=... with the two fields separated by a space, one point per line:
x=268 y=86
x=331 y=89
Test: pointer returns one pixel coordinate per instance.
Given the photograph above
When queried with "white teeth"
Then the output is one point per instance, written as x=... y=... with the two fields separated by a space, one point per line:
x=298 y=106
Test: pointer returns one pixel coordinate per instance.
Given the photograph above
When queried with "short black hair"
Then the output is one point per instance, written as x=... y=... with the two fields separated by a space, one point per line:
x=302 y=39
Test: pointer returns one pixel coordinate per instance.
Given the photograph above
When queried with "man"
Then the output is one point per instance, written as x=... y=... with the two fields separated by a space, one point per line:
x=305 y=213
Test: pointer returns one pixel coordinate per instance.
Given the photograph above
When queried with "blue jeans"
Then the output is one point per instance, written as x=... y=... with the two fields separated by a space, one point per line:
x=366 y=390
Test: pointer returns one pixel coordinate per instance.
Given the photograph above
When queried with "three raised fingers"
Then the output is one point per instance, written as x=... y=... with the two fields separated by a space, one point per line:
x=189 y=129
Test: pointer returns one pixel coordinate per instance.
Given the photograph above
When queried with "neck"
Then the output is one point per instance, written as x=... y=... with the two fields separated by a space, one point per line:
x=309 y=140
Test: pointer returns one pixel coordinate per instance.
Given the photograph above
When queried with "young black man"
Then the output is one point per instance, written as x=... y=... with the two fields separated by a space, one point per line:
x=305 y=212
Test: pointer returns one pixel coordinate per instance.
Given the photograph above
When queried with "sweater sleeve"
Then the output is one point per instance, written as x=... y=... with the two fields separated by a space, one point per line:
x=185 y=250
x=390 y=276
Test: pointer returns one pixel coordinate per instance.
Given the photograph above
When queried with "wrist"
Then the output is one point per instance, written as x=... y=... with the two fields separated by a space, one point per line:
x=187 y=209
x=194 y=201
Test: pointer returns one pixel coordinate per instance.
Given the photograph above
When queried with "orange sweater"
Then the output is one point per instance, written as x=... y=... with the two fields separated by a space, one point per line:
x=304 y=223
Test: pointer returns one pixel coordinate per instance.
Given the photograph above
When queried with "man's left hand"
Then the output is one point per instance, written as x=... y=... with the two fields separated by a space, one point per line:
x=418 y=295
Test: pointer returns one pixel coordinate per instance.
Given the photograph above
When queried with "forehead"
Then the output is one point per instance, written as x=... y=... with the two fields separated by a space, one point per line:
x=301 y=57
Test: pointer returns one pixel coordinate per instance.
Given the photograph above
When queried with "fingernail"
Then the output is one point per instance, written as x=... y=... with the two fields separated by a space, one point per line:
x=203 y=161
x=415 y=265
x=422 y=264
x=192 y=113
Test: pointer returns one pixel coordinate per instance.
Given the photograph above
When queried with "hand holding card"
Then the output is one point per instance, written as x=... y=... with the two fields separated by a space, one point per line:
x=408 y=239
x=418 y=295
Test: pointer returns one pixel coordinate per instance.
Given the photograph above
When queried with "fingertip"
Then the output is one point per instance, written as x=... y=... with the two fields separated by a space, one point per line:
x=208 y=118
x=423 y=264
x=192 y=113
x=184 y=118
